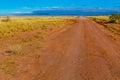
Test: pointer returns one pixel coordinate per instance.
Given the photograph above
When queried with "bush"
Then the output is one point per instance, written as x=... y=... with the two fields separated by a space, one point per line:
x=14 y=49
x=114 y=18
x=7 y=19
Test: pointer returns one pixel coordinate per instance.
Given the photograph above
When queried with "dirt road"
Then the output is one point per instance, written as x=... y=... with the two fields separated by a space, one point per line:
x=78 y=52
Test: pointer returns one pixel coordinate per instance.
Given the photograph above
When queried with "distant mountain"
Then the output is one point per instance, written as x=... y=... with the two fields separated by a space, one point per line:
x=69 y=12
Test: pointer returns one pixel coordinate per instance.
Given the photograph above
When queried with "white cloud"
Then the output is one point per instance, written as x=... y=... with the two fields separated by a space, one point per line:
x=20 y=12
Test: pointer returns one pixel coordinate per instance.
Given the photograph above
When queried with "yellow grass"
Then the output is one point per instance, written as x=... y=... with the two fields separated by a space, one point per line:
x=28 y=45
x=100 y=17
x=23 y=24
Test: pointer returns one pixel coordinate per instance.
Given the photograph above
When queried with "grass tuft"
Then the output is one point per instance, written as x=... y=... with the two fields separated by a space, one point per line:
x=14 y=49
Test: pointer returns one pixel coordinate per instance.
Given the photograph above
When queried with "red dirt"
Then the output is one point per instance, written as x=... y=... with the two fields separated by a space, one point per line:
x=81 y=51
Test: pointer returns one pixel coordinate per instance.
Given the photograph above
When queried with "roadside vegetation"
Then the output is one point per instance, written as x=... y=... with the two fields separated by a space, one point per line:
x=9 y=26
x=111 y=22
x=22 y=36
x=114 y=18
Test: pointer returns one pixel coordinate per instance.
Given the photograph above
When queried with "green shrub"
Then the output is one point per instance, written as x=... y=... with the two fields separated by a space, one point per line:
x=114 y=18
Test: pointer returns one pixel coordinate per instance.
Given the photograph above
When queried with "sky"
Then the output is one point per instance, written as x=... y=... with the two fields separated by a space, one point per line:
x=17 y=6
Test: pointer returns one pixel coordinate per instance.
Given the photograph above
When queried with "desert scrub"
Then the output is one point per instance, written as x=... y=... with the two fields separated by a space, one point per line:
x=100 y=19
x=8 y=66
x=6 y=19
x=14 y=49
x=24 y=24
x=115 y=18
x=115 y=30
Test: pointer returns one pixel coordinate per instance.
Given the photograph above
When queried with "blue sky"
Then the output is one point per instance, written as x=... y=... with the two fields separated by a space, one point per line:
x=16 y=6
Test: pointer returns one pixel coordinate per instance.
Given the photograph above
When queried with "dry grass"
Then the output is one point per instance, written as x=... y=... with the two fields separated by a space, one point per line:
x=8 y=66
x=105 y=21
x=21 y=37
x=100 y=17
x=23 y=24
x=14 y=49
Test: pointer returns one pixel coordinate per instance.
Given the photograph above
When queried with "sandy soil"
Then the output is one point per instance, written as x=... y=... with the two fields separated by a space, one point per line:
x=81 y=51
